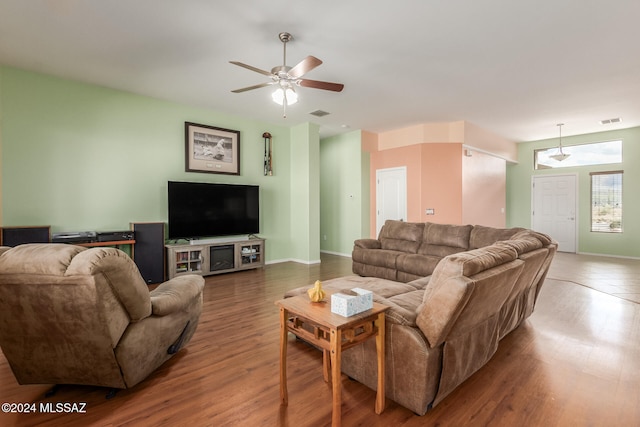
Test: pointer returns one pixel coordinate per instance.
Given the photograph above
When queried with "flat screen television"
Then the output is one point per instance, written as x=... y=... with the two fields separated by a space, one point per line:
x=199 y=209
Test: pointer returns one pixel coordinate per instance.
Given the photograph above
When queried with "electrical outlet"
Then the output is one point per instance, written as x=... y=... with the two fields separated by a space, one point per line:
x=430 y=211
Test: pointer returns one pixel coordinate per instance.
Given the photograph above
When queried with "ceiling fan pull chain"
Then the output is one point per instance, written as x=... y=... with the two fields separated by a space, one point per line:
x=284 y=106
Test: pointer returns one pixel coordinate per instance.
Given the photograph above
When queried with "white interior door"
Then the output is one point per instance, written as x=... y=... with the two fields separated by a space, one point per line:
x=554 y=209
x=391 y=195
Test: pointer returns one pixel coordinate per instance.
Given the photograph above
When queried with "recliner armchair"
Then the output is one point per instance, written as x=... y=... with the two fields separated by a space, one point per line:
x=72 y=315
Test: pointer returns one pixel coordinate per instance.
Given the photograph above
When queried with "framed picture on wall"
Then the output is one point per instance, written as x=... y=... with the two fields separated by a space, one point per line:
x=211 y=149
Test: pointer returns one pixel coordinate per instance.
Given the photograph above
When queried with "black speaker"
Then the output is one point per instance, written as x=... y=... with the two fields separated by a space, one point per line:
x=148 y=251
x=14 y=236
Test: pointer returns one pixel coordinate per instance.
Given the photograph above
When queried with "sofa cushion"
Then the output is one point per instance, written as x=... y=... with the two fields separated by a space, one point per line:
x=449 y=288
x=420 y=283
x=401 y=298
x=367 y=270
x=523 y=244
x=401 y=236
x=403 y=307
x=455 y=236
x=51 y=259
x=376 y=257
x=436 y=316
x=120 y=272
x=543 y=238
x=176 y=294
x=474 y=261
x=367 y=244
x=482 y=236
x=417 y=264
x=381 y=288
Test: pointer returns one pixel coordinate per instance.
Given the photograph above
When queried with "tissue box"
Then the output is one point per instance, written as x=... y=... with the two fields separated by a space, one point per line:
x=348 y=305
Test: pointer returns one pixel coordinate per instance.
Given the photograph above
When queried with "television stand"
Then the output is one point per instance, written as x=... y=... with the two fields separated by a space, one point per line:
x=221 y=256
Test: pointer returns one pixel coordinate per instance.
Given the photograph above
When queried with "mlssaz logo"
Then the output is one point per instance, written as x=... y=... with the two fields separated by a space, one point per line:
x=63 y=407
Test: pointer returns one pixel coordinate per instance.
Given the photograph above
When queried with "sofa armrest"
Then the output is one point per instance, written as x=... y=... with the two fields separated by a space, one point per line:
x=367 y=244
x=176 y=294
x=436 y=316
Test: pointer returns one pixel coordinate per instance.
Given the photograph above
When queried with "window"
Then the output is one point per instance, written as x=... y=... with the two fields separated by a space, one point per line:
x=606 y=202
x=597 y=153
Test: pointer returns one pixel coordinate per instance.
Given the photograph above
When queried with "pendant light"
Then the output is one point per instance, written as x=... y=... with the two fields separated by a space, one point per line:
x=560 y=156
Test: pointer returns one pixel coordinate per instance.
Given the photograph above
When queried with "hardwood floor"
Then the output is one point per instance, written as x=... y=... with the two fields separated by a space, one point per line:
x=574 y=362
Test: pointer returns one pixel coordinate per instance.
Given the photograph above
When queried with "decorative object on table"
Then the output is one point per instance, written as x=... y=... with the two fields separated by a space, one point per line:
x=268 y=154
x=286 y=78
x=211 y=149
x=316 y=294
x=349 y=302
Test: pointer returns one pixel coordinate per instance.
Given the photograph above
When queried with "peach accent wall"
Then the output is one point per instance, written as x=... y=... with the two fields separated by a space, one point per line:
x=434 y=180
x=490 y=142
x=460 y=189
x=419 y=134
x=404 y=156
x=369 y=141
x=441 y=183
x=484 y=189
x=453 y=132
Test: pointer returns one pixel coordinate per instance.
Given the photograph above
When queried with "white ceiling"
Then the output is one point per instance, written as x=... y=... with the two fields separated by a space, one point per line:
x=514 y=68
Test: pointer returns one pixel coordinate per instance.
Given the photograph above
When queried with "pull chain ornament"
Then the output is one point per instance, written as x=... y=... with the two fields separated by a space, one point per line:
x=268 y=165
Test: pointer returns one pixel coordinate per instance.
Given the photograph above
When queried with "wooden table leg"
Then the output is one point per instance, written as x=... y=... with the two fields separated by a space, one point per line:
x=326 y=365
x=284 y=398
x=336 y=355
x=380 y=399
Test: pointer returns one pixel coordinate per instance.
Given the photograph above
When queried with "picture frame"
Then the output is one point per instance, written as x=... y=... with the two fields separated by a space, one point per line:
x=211 y=149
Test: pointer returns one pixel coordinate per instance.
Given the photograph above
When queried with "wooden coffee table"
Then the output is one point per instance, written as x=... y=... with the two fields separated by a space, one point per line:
x=316 y=324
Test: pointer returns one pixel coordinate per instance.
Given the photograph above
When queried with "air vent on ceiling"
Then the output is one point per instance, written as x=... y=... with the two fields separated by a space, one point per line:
x=319 y=113
x=609 y=121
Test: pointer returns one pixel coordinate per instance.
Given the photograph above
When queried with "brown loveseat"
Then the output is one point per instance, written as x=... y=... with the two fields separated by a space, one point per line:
x=71 y=315
x=453 y=290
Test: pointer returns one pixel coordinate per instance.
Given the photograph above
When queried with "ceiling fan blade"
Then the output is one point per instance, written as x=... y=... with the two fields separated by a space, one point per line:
x=244 y=89
x=304 y=66
x=249 y=67
x=336 y=87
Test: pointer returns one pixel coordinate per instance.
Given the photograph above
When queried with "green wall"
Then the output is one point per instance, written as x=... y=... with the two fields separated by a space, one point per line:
x=519 y=191
x=305 y=193
x=81 y=157
x=344 y=192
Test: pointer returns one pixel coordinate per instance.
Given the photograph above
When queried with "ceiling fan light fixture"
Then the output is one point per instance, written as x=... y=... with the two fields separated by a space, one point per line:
x=286 y=78
x=280 y=94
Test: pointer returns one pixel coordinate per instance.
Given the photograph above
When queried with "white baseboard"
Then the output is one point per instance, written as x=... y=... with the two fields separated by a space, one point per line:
x=608 y=255
x=336 y=253
x=299 y=261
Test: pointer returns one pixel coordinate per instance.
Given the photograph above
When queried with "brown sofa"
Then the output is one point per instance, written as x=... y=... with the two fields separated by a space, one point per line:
x=453 y=290
x=71 y=315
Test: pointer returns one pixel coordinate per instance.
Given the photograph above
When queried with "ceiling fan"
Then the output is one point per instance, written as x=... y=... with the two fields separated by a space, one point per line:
x=287 y=78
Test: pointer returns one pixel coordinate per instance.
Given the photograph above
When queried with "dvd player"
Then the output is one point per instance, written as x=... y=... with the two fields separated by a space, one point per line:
x=114 y=236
